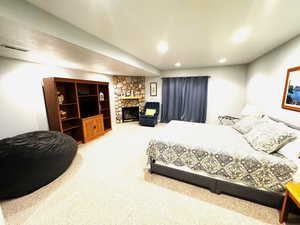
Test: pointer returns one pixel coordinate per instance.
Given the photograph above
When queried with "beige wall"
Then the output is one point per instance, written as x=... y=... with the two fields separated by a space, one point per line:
x=226 y=88
x=266 y=80
x=21 y=96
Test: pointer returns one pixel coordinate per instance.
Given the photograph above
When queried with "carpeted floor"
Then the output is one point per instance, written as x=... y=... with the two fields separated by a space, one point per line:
x=108 y=184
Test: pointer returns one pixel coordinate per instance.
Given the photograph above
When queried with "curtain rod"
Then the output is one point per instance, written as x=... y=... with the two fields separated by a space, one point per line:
x=184 y=77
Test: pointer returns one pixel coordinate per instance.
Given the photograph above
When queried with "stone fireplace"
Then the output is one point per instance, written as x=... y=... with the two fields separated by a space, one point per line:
x=129 y=92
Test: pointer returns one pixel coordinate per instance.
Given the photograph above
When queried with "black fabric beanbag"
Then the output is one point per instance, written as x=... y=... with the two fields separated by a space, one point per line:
x=32 y=160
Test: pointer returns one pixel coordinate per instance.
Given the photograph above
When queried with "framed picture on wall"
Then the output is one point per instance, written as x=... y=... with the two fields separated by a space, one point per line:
x=291 y=96
x=153 y=88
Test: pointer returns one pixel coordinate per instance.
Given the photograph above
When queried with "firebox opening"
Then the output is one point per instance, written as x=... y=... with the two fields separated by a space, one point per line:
x=130 y=114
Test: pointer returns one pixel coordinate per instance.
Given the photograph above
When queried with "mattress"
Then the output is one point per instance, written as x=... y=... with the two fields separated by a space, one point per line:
x=220 y=152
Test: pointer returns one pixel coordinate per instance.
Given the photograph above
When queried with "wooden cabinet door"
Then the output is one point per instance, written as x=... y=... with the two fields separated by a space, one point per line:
x=88 y=128
x=92 y=127
x=98 y=123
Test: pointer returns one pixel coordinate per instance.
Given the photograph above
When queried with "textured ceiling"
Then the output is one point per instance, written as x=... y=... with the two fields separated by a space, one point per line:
x=54 y=51
x=199 y=32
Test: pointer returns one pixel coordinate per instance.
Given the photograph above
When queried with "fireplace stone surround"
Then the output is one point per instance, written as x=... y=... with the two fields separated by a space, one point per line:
x=129 y=91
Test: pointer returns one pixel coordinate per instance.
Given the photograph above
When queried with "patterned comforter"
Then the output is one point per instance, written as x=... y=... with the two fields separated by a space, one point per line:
x=222 y=152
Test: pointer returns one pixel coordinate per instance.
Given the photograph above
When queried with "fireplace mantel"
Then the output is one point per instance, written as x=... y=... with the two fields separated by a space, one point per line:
x=131 y=97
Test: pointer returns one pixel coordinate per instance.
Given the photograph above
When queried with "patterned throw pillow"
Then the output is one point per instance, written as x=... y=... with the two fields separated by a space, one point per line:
x=269 y=136
x=246 y=124
x=150 y=112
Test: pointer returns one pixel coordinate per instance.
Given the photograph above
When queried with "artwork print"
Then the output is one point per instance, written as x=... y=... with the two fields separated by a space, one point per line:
x=153 y=89
x=291 y=97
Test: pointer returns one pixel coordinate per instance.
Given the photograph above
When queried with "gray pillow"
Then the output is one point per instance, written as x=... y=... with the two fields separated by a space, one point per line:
x=269 y=136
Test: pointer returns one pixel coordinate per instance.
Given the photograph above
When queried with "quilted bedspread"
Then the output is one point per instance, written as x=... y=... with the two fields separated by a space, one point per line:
x=222 y=152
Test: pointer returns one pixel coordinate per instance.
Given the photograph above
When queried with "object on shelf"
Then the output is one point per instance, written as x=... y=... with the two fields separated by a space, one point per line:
x=63 y=114
x=60 y=97
x=101 y=97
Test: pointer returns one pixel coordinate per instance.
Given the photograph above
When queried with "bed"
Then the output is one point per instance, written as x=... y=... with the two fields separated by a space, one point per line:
x=219 y=158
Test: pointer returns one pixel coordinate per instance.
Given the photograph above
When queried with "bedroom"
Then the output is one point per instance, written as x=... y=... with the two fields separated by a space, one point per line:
x=245 y=50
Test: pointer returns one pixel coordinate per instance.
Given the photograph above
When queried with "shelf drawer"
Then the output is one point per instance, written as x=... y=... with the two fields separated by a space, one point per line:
x=92 y=127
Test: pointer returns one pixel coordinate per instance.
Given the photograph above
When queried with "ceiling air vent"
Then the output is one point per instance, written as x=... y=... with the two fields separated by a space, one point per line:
x=14 y=48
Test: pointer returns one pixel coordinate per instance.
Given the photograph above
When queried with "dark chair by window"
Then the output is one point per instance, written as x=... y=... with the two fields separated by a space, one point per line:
x=149 y=116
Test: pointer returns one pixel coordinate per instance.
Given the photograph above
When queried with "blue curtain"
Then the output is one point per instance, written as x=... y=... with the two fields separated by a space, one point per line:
x=184 y=98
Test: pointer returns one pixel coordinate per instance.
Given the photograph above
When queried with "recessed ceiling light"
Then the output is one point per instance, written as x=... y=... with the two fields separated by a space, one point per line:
x=162 y=47
x=241 y=35
x=223 y=60
x=178 y=64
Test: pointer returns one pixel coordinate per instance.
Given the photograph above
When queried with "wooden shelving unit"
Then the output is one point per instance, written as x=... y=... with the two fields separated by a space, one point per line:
x=71 y=118
x=86 y=96
x=70 y=128
x=105 y=106
x=81 y=102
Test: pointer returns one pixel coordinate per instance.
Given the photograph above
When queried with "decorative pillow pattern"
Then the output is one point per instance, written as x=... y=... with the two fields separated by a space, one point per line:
x=269 y=137
x=246 y=124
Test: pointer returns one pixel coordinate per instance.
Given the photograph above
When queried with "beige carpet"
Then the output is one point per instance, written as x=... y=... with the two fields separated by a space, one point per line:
x=108 y=184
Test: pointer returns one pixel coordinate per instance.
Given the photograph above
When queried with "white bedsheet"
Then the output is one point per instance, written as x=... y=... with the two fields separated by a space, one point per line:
x=210 y=135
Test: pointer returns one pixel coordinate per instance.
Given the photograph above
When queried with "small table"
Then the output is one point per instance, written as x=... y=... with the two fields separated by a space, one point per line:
x=226 y=117
x=292 y=193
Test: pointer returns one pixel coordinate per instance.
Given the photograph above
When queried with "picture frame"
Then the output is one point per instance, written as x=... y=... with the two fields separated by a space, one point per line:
x=153 y=88
x=291 y=94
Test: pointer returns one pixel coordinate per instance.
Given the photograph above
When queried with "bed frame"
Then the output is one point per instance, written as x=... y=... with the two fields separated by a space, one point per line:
x=271 y=199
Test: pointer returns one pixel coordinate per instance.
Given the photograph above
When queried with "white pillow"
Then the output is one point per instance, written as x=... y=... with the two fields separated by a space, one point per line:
x=246 y=124
x=292 y=150
x=270 y=136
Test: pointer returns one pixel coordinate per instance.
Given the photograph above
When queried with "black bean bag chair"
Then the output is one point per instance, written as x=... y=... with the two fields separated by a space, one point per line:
x=32 y=160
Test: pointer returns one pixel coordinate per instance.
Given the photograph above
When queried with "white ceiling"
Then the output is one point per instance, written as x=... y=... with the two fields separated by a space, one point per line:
x=199 y=32
x=50 y=50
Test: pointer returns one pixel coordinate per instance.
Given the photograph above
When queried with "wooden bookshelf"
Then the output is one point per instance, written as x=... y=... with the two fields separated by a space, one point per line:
x=81 y=101
x=105 y=106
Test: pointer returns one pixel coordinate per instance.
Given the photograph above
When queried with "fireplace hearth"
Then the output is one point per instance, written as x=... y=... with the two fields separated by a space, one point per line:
x=130 y=114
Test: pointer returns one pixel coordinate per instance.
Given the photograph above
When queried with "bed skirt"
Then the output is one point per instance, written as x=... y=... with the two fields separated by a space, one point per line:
x=271 y=199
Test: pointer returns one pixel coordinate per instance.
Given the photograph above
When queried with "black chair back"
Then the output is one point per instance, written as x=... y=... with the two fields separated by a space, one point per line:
x=152 y=105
